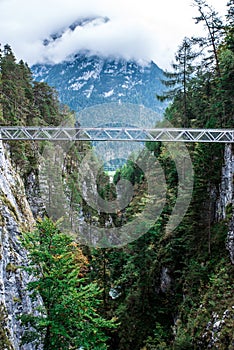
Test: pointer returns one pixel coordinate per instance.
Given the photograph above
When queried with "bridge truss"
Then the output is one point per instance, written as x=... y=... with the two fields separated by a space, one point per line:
x=116 y=134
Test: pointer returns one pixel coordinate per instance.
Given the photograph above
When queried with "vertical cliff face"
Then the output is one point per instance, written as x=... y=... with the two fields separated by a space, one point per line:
x=230 y=240
x=224 y=209
x=15 y=216
x=221 y=322
x=230 y=236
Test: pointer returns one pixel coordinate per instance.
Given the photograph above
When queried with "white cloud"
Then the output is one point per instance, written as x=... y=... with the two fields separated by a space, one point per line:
x=147 y=29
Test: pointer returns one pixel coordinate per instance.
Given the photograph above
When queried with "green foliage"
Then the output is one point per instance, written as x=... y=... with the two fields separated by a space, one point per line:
x=159 y=339
x=69 y=316
x=183 y=340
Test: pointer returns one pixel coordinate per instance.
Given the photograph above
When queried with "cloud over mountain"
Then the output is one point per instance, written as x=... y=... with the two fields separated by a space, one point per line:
x=143 y=30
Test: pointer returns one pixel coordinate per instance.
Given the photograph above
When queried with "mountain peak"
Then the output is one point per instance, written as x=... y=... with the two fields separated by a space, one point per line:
x=76 y=25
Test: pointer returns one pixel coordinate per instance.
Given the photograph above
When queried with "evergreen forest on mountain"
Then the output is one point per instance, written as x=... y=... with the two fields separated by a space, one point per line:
x=165 y=290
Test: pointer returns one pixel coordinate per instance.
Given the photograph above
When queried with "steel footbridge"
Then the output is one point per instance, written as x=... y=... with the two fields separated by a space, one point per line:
x=33 y=133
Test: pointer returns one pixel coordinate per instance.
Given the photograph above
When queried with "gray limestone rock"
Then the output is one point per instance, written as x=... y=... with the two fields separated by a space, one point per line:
x=15 y=217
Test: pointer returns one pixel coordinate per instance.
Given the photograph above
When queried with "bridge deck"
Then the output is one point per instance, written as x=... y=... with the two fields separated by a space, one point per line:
x=116 y=134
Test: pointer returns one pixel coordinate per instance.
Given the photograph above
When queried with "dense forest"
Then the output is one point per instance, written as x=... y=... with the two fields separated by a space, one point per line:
x=164 y=290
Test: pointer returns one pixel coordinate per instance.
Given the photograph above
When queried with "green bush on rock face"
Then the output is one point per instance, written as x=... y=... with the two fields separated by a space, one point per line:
x=11 y=267
x=229 y=211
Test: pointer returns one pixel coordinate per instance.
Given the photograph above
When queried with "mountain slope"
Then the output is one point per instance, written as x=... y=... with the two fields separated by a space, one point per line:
x=86 y=81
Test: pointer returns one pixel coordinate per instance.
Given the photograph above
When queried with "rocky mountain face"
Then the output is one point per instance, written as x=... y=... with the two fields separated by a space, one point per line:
x=85 y=81
x=15 y=217
x=224 y=209
x=107 y=92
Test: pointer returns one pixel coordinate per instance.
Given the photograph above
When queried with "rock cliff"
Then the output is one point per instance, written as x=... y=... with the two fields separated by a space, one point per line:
x=15 y=217
x=224 y=208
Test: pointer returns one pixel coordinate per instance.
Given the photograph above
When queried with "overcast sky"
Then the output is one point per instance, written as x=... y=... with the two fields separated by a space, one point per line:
x=139 y=29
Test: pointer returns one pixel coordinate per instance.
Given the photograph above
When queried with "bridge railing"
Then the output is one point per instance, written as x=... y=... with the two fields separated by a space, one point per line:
x=116 y=134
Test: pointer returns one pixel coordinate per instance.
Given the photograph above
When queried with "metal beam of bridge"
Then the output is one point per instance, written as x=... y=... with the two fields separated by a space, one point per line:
x=116 y=134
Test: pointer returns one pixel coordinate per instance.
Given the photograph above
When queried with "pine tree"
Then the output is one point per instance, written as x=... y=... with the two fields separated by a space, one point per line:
x=69 y=317
x=215 y=29
x=10 y=94
x=178 y=80
x=230 y=26
x=47 y=103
